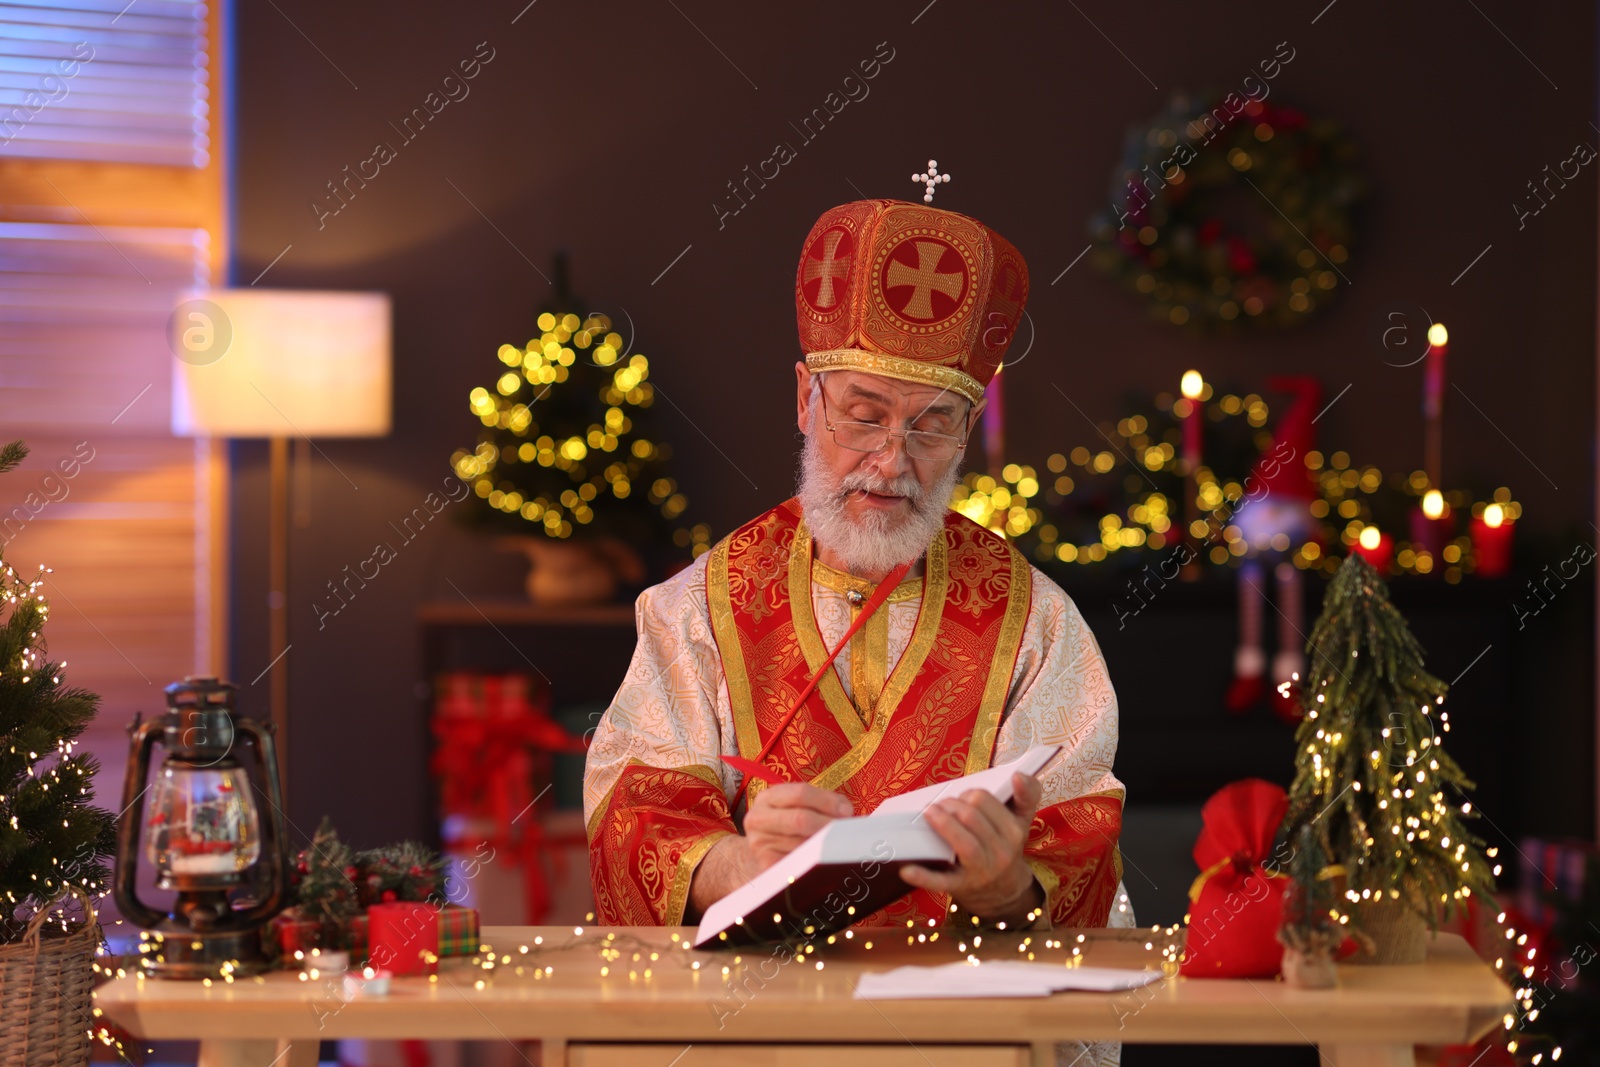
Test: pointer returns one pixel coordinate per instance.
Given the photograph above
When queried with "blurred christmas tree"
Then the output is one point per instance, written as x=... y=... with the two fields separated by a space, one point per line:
x=567 y=448
x=50 y=835
x=1371 y=775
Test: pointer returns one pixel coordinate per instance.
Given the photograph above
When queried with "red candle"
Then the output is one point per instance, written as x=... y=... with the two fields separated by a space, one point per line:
x=1491 y=542
x=1193 y=388
x=1376 y=547
x=403 y=937
x=1433 y=399
x=1431 y=524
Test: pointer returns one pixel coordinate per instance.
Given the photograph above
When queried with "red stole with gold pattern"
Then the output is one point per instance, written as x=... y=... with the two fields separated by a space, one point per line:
x=940 y=707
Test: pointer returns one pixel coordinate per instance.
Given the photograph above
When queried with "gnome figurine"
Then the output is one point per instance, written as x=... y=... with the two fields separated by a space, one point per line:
x=1274 y=517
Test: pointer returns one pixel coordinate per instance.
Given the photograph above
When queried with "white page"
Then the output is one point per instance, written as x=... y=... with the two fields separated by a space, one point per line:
x=998 y=979
x=995 y=780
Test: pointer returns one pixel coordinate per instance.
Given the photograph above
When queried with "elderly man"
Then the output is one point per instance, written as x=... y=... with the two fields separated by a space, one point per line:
x=905 y=313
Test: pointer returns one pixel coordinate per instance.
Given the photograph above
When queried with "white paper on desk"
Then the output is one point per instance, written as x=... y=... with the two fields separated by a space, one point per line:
x=1002 y=978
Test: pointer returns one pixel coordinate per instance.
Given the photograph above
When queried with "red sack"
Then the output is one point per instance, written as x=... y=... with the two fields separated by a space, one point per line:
x=1236 y=905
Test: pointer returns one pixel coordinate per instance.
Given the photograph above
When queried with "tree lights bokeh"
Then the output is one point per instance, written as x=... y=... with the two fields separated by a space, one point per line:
x=566 y=448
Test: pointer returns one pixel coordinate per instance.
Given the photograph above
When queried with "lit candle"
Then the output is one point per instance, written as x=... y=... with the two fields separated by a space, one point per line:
x=1375 y=547
x=1193 y=388
x=1491 y=542
x=369 y=983
x=1433 y=399
x=1431 y=524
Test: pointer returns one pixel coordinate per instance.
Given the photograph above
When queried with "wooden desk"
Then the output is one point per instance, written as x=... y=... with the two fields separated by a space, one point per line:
x=586 y=1020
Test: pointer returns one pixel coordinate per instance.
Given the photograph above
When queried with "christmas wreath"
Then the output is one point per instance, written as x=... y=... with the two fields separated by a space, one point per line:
x=1229 y=210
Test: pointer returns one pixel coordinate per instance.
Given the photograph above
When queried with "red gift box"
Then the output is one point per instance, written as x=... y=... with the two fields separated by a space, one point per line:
x=1236 y=905
x=458 y=933
x=403 y=937
x=295 y=934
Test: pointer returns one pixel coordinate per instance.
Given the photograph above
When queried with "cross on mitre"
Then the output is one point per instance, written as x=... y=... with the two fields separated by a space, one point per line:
x=830 y=266
x=925 y=279
x=929 y=179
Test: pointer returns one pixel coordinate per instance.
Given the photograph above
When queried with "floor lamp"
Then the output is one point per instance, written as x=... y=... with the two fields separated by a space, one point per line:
x=281 y=364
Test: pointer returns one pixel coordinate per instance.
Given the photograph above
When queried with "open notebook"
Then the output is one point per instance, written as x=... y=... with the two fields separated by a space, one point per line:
x=850 y=868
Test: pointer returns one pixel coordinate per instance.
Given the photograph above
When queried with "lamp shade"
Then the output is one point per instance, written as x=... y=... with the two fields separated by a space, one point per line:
x=281 y=363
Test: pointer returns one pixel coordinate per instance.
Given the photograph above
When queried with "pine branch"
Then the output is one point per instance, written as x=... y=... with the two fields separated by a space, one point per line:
x=12 y=455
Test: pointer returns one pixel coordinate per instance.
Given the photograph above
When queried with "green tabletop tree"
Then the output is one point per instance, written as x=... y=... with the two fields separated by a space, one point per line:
x=1385 y=800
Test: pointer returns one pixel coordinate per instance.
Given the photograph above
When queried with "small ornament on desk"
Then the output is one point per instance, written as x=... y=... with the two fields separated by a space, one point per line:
x=368 y=982
x=321 y=961
x=1310 y=934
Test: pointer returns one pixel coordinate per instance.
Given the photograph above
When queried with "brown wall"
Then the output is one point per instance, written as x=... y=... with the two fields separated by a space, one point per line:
x=609 y=129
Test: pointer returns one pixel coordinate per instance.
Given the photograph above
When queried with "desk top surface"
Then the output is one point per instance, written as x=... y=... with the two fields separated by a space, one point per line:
x=556 y=989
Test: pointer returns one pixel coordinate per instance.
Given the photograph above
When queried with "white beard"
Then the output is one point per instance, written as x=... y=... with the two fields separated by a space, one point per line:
x=877 y=542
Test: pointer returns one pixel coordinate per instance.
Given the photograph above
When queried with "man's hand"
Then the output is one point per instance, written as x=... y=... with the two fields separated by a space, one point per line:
x=991 y=879
x=780 y=817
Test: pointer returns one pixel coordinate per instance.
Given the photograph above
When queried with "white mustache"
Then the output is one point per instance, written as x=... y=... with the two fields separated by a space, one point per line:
x=906 y=485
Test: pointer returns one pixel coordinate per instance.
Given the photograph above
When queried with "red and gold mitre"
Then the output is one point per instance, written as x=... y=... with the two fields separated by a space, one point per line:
x=909 y=291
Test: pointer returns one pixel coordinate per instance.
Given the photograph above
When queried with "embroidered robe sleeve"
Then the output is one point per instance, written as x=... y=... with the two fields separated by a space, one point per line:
x=1061 y=693
x=655 y=792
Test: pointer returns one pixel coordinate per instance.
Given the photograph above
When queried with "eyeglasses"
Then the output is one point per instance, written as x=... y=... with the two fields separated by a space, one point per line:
x=871 y=437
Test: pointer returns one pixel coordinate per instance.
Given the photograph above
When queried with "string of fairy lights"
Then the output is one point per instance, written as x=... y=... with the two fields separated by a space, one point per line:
x=1040 y=509
x=28 y=595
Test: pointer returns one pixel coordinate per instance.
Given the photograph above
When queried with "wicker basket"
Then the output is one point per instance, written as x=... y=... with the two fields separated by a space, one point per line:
x=45 y=989
x=1398 y=933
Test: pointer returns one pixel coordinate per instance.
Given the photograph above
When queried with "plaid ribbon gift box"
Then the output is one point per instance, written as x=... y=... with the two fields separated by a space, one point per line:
x=458 y=933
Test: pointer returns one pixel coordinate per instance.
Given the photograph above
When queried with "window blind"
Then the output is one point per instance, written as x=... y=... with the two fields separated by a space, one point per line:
x=105 y=80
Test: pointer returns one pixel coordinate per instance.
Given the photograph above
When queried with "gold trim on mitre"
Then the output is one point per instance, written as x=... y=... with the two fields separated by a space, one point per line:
x=907 y=370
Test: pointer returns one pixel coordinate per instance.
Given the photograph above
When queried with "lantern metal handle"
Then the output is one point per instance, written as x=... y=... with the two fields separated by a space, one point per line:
x=133 y=790
x=274 y=835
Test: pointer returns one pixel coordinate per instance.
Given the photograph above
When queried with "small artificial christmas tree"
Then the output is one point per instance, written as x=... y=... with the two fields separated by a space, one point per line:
x=325 y=885
x=1310 y=933
x=566 y=447
x=1372 y=778
x=50 y=835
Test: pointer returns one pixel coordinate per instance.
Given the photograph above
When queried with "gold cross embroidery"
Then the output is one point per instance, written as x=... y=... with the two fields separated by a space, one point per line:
x=925 y=279
x=829 y=267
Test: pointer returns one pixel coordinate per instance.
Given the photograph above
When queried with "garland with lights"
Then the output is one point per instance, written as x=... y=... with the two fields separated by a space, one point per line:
x=1371 y=774
x=50 y=835
x=627 y=956
x=565 y=450
x=1124 y=497
x=1166 y=237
